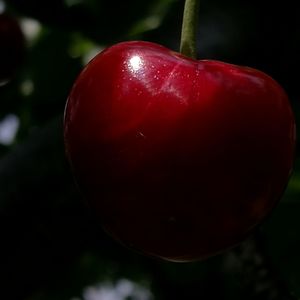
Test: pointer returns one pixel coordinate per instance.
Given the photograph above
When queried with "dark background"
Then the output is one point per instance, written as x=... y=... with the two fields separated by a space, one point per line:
x=51 y=246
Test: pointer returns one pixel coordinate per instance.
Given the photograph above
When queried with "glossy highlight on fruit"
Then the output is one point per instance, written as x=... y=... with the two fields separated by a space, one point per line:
x=179 y=158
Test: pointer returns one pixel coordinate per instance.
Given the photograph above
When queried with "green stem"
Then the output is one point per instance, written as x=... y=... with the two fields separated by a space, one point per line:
x=189 y=28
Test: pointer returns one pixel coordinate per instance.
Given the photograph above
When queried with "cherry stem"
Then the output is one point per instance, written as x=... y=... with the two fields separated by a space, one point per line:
x=189 y=28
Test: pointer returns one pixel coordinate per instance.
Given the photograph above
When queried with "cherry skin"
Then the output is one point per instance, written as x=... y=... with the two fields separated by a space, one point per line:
x=179 y=158
x=12 y=46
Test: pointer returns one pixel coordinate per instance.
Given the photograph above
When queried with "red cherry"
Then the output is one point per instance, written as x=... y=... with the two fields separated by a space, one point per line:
x=12 y=46
x=180 y=158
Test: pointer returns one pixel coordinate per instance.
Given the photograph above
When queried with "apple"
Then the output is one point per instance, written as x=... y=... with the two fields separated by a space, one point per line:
x=179 y=158
x=12 y=46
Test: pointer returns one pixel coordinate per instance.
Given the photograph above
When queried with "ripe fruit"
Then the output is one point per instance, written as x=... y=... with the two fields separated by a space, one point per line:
x=12 y=46
x=179 y=158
